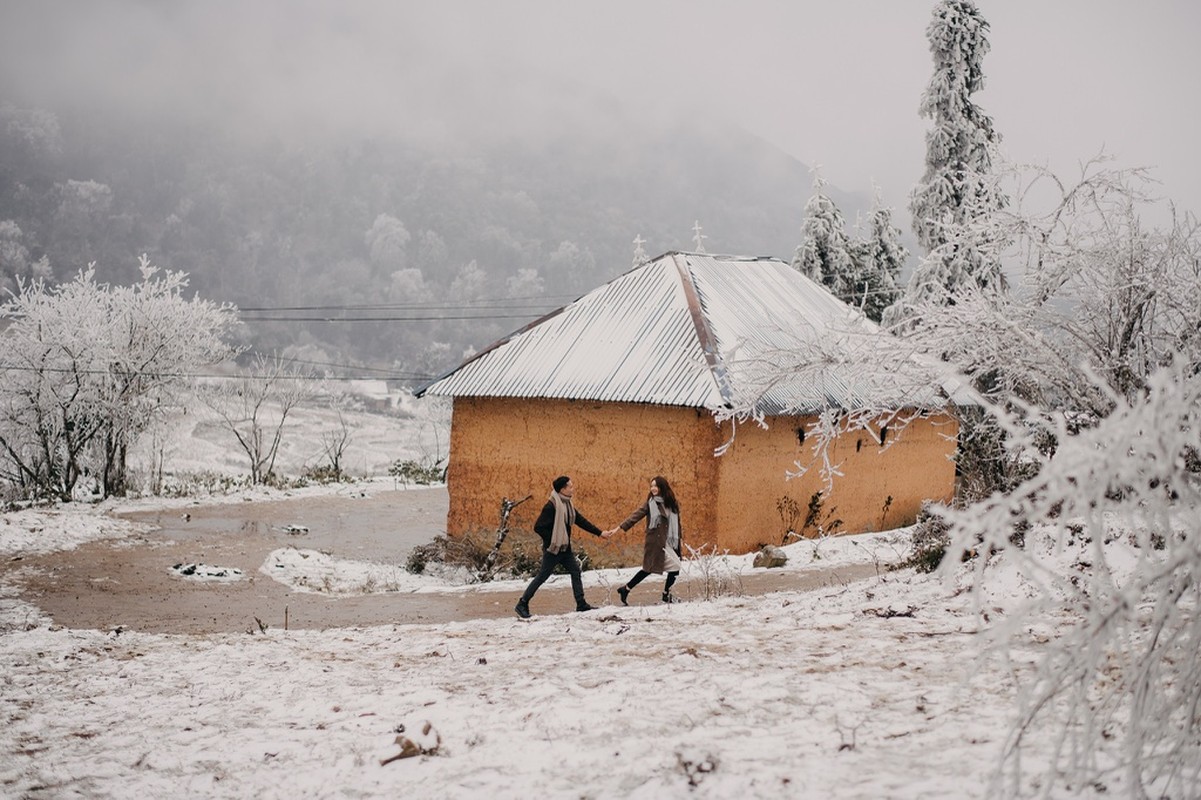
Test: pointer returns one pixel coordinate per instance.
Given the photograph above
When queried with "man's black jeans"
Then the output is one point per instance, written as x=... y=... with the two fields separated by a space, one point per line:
x=567 y=560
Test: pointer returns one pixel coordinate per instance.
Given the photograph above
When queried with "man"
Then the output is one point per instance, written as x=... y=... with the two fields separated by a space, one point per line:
x=554 y=526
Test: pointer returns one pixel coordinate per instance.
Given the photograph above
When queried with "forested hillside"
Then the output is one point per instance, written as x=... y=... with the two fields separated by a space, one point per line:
x=425 y=252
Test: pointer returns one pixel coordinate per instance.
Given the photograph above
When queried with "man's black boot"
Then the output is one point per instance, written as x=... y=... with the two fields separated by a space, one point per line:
x=523 y=609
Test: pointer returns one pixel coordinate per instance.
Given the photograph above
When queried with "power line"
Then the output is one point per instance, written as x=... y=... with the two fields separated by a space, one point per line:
x=397 y=376
x=392 y=319
x=347 y=367
x=385 y=373
x=469 y=306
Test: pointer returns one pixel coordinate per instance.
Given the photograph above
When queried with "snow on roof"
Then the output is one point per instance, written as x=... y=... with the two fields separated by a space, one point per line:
x=703 y=331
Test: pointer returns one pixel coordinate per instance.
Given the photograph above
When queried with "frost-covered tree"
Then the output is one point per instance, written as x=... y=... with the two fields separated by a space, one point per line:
x=526 y=283
x=640 y=256
x=698 y=237
x=51 y=410
x=387 y=242
x=432 y=252
x=470 y=283
x=951 y=209
x=1096 y=359
x=157 y=340
x=569 y=268
x=33 y=132
x=408 y=285
x=957 y=187
x=15 y=261
x=1112 y=680
x=87 y=367
x=1102 y=299
x=254 y=406
x=879 y=257
x=824 y=254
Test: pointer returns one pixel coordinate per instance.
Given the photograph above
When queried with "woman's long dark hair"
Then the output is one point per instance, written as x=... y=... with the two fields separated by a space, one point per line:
x=669 y=497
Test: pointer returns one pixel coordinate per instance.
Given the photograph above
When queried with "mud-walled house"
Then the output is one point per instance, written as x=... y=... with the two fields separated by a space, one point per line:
x=640 y=377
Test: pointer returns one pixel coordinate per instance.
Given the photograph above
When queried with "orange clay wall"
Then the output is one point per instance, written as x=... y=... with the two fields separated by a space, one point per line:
x=879 y=487
x=507 y=447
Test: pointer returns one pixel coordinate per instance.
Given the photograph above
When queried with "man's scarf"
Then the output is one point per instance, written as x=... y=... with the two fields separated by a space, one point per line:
x=564 y=519
x=657 y=509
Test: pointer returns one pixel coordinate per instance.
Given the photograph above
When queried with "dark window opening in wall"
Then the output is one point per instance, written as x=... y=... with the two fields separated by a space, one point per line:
x=858 y=445
x=800 y=435
x=883 y=435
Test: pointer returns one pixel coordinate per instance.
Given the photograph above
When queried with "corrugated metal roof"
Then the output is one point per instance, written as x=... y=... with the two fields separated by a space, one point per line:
x=702 y=331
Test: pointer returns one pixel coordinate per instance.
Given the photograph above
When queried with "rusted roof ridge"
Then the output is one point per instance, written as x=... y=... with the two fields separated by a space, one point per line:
x=703 y=333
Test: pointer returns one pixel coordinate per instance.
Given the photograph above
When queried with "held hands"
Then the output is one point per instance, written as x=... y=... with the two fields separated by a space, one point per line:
x=610 y=532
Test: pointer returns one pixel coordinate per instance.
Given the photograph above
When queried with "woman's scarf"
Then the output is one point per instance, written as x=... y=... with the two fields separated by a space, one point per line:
x=656 y=510
x=564 y=519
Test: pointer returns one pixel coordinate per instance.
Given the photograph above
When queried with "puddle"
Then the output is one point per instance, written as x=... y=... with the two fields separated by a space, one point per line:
x=383 y=526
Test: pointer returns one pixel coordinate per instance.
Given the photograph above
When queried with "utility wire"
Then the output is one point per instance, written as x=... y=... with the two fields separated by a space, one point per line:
x=440 y=318
x=470 y=306
x=347 y=367
x=398 y=376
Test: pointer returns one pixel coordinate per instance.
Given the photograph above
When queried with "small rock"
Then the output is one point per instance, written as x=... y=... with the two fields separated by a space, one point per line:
x=770 y=556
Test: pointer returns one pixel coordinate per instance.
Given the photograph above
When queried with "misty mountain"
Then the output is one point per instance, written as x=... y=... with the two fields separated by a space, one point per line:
x=373 y=249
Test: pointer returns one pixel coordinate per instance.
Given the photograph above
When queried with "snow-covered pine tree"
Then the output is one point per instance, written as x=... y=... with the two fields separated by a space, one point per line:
x=824 y=254
x=640 y=256
x=958 y=188
x=879 y=256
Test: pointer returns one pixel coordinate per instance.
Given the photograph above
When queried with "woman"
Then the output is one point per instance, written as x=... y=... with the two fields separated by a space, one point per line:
x=663 y=540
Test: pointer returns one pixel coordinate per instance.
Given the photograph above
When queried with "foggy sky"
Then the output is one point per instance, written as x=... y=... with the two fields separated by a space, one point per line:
x=835 y=84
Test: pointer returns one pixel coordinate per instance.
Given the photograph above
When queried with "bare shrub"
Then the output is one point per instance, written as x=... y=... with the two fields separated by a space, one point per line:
x=711 y=571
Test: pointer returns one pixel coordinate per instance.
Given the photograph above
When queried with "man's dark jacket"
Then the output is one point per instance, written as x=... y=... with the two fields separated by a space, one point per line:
x=545 y=526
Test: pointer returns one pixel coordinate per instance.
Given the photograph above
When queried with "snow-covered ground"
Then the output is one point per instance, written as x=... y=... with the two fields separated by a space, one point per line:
x=856 y=690
x=193 y=441
x=869 y=689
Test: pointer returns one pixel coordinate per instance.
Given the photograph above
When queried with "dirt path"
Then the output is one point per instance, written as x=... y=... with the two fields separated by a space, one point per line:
x=103 y=585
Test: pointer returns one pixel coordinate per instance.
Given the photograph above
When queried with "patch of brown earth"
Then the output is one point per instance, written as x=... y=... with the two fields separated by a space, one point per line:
x=103 y=585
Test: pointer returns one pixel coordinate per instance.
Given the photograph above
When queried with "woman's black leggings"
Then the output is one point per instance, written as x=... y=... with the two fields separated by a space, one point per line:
x=641 y=574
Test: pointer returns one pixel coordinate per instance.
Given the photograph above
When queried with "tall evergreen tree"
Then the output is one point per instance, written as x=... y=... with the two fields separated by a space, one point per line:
x=824 y=254
x=640 y=256
x=880 y=257
x=698 y=238
x=957 y=189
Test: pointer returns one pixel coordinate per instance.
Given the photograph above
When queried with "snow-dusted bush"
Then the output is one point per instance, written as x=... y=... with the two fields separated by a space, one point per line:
x=1120 y=679
x=1094 y=365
